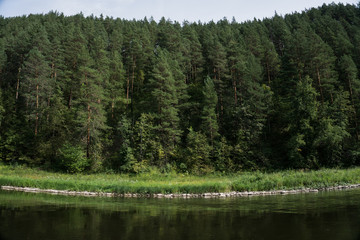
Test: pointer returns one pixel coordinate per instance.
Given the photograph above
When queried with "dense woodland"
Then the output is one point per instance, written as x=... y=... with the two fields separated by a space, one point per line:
x=92 y=93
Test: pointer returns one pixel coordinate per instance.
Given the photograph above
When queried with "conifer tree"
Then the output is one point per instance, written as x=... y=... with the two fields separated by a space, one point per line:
x=322 y=66
x=181 y=93
x=218 y=72
x=209 y=125
x=194 y=57
x=351 y=82
x=165 y=101
x=73 y=45
x=146 y=140
x=115 y=87
x=256 y=100
x=116 y=84
x=304 y=114
x=2 y=56
x=279 y=33
x=37 y=86
x=90 y=107
x=282 y=92
x=332 y=130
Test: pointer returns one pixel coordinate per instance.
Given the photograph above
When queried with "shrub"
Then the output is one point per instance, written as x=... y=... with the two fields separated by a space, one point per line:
x=72 y=159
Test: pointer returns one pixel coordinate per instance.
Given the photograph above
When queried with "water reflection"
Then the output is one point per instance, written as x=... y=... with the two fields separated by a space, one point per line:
x=328 y=215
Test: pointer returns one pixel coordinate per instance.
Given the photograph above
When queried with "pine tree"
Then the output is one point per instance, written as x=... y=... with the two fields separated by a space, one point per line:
x=73 y=45
x=146 y=140
x=165 y=100
x=125 y=159
x=332 y=130
x=116 y=102
x=256 y=101
x=90 y=107
x=2 y=56
x=262 y=48
x=284 y=91
x=279 y=33
x=209 y=125
x=322 y=65
x=302 y=122
x=133 y=51
x=219 y=73
x=37 y=86
x=3 y=59
x=181 y=93
x=115 y=88
x=194 y=57
x=351 y=82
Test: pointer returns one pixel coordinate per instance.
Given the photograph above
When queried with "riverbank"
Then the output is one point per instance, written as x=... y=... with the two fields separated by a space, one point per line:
x=176 y=195
x=178 y=185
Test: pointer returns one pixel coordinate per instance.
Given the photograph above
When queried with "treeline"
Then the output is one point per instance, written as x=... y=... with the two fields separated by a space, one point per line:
x=93 y=93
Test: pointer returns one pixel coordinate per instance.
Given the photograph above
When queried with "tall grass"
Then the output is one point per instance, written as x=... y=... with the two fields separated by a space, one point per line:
x=177 y=183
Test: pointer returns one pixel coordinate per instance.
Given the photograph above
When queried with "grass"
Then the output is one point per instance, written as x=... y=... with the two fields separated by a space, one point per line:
x=177 y=183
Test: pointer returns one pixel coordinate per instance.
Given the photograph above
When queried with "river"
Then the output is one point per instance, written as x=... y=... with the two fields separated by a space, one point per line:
x=324 y=215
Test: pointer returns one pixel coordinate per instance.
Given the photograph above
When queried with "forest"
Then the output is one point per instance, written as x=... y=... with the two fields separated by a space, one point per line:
x=89 y=94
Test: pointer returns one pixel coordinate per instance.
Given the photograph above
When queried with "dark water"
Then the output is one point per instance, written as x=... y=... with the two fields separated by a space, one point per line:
x=327 y=215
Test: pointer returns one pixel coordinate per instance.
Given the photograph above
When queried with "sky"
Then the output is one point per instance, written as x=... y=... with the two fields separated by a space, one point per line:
x=175 y=10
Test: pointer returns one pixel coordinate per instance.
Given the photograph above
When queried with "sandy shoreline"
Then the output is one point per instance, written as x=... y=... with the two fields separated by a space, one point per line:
x=177 y=195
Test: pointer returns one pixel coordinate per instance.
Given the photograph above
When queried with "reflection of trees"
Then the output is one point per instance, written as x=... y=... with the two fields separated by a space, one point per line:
x=307 y=216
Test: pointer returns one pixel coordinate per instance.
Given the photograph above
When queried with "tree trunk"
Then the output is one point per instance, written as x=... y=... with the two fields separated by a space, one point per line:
x=37 y=107
x=70 y=97
x=268 y=72
x=133 y=78
x=88 y=132
x=127 y=89
x=88 y=124
x=221 y=97
x=112 y=108
x=53 y=76
x=18 y=84
x=141 y=140
x=319 y=83
x=18 y=80
x=234 y=84
x=353 y=104
x=132 y=88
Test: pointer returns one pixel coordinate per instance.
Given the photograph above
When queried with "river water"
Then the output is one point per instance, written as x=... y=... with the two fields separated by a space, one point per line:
x=324 y=215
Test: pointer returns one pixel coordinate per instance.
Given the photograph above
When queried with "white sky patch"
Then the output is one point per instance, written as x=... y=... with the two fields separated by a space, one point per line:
x=191 y=10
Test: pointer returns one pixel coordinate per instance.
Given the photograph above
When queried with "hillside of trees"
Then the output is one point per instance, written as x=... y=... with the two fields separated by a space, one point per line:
x=93 y=93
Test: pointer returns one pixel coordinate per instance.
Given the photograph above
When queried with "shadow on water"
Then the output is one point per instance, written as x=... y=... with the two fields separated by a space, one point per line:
x=326 y=215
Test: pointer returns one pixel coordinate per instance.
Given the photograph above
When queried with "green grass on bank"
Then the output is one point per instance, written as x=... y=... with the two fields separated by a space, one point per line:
x=177 y=183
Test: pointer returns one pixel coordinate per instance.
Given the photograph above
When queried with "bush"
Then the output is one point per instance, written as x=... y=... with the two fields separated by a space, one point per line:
x=72 y=159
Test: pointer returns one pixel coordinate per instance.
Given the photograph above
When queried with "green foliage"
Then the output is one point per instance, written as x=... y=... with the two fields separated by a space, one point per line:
x=166 y=105
x=305 y=113
x=333 y=132
x=146 y=141
x=198 y=152
x=209 y=124
x=72 y=159
x=125 y=159
x=3 y=56
x=37 y=87
x=223 y=156
x=349 y=77
x=197 y=97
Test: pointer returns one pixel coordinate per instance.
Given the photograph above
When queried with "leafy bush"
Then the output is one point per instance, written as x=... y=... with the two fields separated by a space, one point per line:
x=72 y=159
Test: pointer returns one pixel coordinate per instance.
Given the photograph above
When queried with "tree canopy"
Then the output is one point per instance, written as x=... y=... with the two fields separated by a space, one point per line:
x=89 y=94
